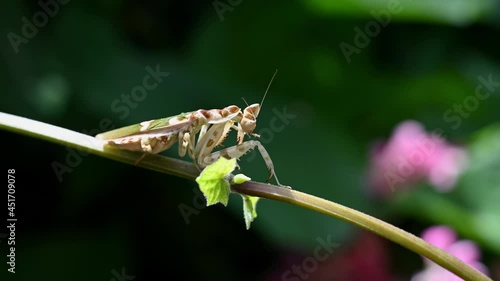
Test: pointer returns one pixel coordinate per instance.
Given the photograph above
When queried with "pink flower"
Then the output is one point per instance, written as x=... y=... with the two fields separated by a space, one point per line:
x=413 y=155
x=366 y=258
x=446 y=239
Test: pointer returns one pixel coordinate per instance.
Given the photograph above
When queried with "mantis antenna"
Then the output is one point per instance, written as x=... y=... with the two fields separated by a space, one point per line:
x=268 y=86
x=244 y=100
x=267 y=90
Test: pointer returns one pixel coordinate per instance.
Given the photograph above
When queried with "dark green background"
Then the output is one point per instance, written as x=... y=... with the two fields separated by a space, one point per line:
x=105 y=215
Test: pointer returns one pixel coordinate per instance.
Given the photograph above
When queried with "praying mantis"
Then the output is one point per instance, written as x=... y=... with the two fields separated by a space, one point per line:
x=212 y=127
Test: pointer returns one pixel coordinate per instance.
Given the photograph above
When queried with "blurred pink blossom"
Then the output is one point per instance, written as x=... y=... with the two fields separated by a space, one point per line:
x=446 y=239
x=412 y=155
x=367 y=257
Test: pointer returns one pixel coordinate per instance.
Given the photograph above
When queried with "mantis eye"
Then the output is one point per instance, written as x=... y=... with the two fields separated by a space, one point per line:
x=248 y=125
x=252 y=111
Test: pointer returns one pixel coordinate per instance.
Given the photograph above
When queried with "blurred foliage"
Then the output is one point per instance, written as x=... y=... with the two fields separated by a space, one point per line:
x=104 y=216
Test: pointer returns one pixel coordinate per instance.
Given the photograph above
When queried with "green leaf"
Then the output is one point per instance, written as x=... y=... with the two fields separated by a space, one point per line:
x=463 y=12
x=249 y=209
x=213 y=181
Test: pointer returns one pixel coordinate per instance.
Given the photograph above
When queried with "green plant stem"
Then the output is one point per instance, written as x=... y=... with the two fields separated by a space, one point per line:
x=362 y=220
x=187 y=170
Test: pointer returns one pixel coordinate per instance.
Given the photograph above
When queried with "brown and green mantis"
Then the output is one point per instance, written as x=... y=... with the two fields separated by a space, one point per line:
x=212 y=125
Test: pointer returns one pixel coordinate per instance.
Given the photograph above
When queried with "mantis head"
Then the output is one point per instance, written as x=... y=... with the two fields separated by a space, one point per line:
x=250 y=114
x=249 y=120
